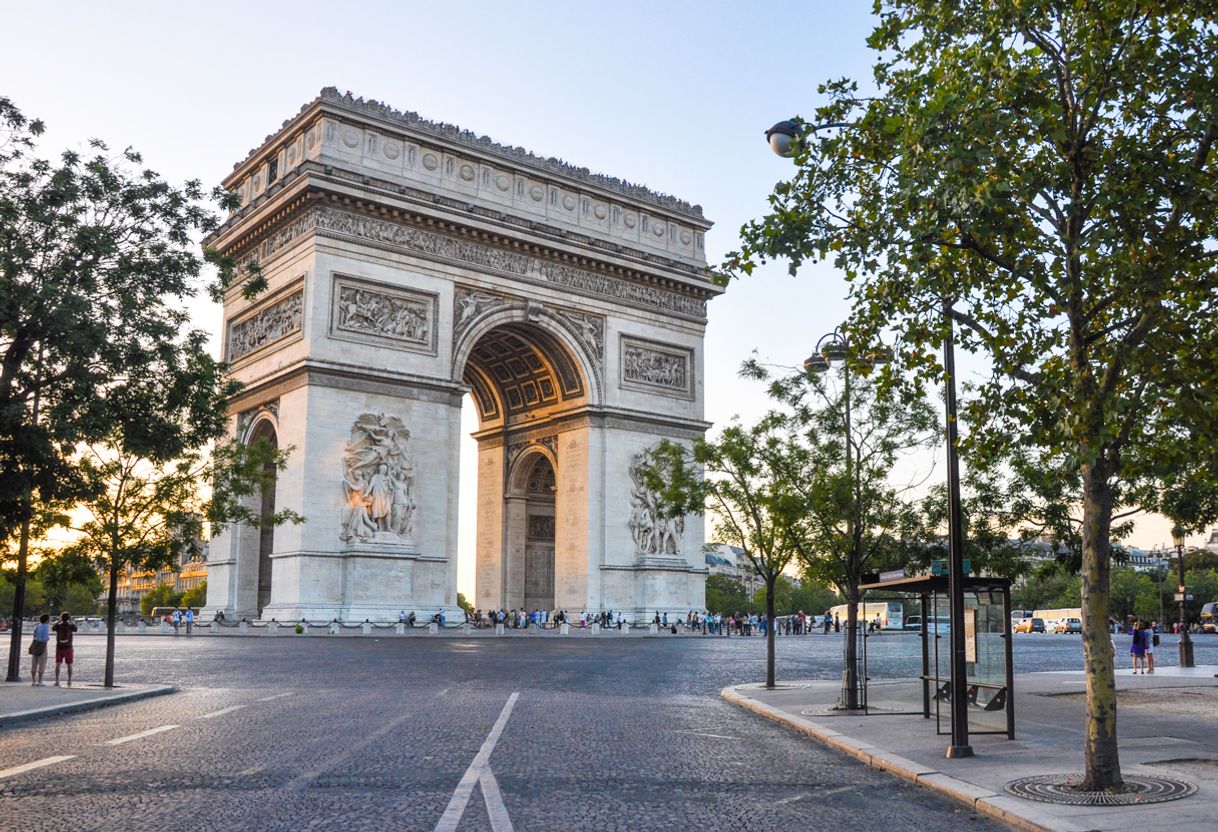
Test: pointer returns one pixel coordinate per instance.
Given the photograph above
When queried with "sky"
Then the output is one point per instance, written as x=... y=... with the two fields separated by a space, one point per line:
x=674 y=95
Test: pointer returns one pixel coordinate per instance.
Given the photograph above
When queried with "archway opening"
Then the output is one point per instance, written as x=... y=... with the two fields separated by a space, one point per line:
x=523 y=379
x=265 y=432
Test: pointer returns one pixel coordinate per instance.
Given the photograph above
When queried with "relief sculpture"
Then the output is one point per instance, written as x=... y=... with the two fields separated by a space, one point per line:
x=653 y=533
x=378 y=480
x=378 y=313
x=268 y=324
x=643 y=365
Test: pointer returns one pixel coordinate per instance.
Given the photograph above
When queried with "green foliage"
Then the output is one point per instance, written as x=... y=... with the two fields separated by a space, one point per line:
x=725 y=594
x=196 y=596
x=299 y=629
x=60 y=571
x=806 y=597
x=1045 y=175
x=35 y=595
x=464 y=603
x=161 y=595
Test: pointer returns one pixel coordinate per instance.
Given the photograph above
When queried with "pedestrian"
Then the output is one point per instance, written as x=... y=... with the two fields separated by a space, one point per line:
x=1137 y=647
x=837 y=622
x=177 y=621
x=63 y=645
x=190 y=620
x=38 y=650
x=1152 y=639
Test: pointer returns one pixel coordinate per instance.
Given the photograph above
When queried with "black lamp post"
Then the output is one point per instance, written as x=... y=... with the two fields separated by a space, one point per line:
x=831 y=348
x=785 y=139
x=1186 y=642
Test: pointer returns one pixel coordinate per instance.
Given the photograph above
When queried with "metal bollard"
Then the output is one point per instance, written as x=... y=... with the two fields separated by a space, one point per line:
x=141 y=628
x=164 y=628
x=433 y=628
x=366 y=628
x=120 y=628
x=333 y=628
x=596 y=628
x=400 y=629
x=564 y=629
x=499 y=629
x=273 y=628
x=243 y=627
x=653 y=628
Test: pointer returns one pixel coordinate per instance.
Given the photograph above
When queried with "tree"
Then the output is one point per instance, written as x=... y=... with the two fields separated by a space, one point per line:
x=147 y=504
x=852 y=517
x=725 y=594
x=464 y=603
x=96 y=255
x=60 y=571
x=1042 y=175
x=744 y=478
x=161 y=595
x=195 y=597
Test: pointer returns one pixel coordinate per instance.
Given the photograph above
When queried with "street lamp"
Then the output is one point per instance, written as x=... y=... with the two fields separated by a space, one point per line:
x=785 y=139
x=1186 y=643
x=830 y=349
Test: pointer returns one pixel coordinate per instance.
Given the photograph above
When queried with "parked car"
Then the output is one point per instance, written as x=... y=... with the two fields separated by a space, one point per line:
x=1030 y=625
x=1068 y=625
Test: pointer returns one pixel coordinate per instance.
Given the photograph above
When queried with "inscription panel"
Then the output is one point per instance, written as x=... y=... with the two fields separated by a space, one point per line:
x=388 y=315
x=656 y=368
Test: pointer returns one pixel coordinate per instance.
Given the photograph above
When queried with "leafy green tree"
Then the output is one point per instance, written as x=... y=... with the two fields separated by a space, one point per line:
x=97 y=254
x=854 y=520
x=744 y=478
x=196 y=596
x=1050 y=591
x=725 y=594
x=161 y=595
x=790 y=598
x=61 y=570
x=464 y=603
x=35 y=596
x=1042 y=174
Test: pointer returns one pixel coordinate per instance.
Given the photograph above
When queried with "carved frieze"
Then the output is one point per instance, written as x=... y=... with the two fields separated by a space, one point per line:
x=272 y=322
x=417 y=240
x=373 y=311
x=246 y=417
x=540 y=527
x=655 y=367
x=518 y=446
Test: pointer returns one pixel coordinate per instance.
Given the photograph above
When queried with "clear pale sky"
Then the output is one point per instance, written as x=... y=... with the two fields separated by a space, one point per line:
x=674 y=95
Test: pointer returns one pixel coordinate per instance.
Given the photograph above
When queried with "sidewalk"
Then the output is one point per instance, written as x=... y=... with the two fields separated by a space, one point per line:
x=1168 y=726
x=20 y=701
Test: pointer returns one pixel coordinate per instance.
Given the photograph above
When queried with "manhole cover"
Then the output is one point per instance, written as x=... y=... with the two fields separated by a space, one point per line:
x=1063 y=788
x=829 y=710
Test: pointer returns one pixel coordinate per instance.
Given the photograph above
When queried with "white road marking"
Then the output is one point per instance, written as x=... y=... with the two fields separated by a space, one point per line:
x=45 y=761
x=500 y=822
x=220 y=712
x=150 y=732
x=277 y=696
x=475 y=773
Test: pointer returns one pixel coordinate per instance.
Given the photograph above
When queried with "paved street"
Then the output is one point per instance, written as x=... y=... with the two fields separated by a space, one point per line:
x=369 y=734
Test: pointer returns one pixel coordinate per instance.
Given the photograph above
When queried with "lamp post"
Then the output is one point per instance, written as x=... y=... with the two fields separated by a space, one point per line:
x=1186 y=643
x=785 y=139
x=835 y=347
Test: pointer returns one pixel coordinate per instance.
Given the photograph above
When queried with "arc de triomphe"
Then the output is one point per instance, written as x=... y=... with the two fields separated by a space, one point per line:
x=410 y=264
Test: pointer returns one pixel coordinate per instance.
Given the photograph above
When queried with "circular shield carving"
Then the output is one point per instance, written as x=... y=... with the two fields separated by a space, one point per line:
x=431 y=161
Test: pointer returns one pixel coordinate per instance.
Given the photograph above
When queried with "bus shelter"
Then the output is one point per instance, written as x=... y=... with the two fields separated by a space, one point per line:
x=990 y=678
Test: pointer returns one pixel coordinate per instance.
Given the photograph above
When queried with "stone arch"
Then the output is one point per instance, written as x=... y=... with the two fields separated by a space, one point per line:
x=533 y=506
x=553 y=333
x=258 y=543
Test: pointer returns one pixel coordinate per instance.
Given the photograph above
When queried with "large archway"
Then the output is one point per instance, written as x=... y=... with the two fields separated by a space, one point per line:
x=528 y=385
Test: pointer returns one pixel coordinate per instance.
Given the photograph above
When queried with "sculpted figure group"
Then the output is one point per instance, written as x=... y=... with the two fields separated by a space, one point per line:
x=378 y=479
x=653 y=533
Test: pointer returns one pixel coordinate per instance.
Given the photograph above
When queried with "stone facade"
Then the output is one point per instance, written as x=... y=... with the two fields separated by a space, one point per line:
x=409 y=264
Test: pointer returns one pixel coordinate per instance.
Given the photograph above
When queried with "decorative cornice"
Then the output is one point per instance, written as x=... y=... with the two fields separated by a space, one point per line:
x=484 y=144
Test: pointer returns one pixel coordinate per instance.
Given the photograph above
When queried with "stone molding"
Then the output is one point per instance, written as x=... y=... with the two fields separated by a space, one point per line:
x=383 y=314
x=442 y=248
x=655 y=367
x=452 y=134
x=246 y=418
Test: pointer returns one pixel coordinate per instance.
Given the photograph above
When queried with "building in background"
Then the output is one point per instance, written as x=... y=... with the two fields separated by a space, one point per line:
x=190 y=572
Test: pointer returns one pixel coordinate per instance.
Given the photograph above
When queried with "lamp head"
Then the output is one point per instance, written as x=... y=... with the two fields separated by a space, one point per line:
x=834 y=351
x=1177 y=535
x=816 y=363
x=784 y=138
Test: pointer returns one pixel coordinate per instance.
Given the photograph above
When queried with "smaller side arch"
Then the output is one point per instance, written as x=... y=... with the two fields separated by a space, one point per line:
x=522 y=466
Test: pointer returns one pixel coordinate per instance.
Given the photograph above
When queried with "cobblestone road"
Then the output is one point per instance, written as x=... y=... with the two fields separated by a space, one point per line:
x=362 y=734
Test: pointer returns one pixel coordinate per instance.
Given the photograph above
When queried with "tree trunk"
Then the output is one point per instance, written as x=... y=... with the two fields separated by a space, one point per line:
x=770 y=581
x=111 y=610
x=850 y=696
x=1101 y=762
x=23 y=551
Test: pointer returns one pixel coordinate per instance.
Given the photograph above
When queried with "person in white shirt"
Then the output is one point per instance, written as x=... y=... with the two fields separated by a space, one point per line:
x=38 y=650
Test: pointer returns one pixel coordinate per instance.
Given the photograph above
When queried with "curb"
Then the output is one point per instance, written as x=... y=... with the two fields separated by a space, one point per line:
x=1009 y=810
x=84 y=705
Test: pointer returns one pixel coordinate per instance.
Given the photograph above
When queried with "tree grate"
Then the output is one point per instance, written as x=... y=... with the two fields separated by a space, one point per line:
x=1064 y=789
